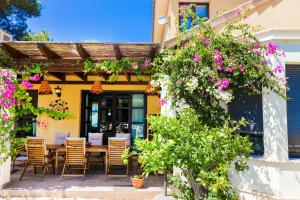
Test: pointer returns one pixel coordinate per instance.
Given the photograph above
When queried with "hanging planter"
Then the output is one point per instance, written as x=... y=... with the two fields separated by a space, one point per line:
x=45 y=88
x=97 y=88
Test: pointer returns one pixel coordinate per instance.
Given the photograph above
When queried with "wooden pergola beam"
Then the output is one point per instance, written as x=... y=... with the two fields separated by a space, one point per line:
x=102 y=82
x=12 y=52
x=81 y=75
x=117 y=52
x=47 y=52
x=59 y=75
x=82 y=51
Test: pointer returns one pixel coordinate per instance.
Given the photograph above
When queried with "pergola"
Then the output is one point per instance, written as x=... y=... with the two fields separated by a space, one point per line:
x=66 y=58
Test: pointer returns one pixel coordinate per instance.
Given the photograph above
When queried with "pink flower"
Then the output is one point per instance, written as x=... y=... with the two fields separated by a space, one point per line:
x=222 y=84
x=240 y=11
x=5 y=117
x=9 y=85
x=218 y=59
x=272 y=48
x=35 y=77
x=7 y=94
x=242 y=68
x=277 y=69
x=265 y=62
x=2 y=103
x=162 y=102
x=197 y=58
x=229 y=69
x=9 y=105
x=27 y=84
x=257 y=44
x=205 y=41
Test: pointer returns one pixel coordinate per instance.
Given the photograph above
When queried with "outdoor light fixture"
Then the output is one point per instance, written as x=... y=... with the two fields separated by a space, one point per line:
x=162 y=20
x=58 y=91
x=97 y=88
x=45 y=88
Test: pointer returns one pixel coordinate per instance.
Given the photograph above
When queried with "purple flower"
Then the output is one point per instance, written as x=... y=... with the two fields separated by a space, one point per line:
x=5 y=117
x=7 y=94
x=197 y=58
x=272 y=48
x=242 y=68
x=27 y=84
x=8 y=105
x=2 y=103
x=222 y=84
x=9 y=85
x=277 y=69
x=218 y=59
x=35 y=77
x=162 y=102
x=229 y=69
x=205 y=41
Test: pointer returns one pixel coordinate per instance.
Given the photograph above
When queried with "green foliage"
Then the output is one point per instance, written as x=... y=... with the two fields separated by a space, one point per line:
x=14 y=15
x=203 y=153
x=114 y=67
x=42 y=36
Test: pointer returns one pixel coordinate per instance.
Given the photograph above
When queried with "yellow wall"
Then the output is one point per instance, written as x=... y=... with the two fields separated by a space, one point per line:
x=72 y=95
x=170 y=9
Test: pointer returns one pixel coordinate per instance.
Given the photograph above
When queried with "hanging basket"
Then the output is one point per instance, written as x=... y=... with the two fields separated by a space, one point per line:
x=97 y=88
x=45 y=88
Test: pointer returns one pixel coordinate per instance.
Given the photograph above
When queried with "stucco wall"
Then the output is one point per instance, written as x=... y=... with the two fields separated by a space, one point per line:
x=72 y=95
x=170 y=9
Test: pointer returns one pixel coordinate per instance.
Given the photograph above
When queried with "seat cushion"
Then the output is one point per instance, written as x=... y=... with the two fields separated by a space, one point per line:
x=96 y=138
x=60 y=137
x=125 y=136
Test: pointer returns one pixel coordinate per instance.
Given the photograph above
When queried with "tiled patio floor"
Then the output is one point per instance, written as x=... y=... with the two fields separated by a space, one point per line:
x=93 y=187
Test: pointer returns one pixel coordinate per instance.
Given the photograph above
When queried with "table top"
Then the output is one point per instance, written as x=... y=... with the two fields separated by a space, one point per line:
x=89 y=148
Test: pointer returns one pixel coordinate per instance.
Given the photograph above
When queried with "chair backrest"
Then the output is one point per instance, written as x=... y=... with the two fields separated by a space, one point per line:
x=60 y=137
x=96 y=138
x=75 y=151
x=116 y=147
x=36 y=150
x=124 y=135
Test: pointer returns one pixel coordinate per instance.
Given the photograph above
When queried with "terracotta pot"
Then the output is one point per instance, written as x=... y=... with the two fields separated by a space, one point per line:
x=137 y=183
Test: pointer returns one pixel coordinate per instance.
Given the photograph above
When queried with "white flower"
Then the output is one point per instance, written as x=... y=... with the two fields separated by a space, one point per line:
x=181 y=105
x=192 y=84
x=224 y=96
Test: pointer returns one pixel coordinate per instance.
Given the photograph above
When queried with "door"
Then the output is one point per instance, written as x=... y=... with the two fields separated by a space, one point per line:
x=113 y=112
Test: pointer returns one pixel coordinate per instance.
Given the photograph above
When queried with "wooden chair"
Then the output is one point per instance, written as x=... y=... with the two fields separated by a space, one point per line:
x=37 y=156
x=95 y=139
x=20 y=157
x=116 y=147
x=75 y=156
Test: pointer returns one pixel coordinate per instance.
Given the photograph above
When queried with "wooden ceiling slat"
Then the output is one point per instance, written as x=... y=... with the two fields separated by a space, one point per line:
x=47 y=52
x=117 y=52
x=12 y=52
x=59 y=75
x=81 y=75
x=82 y=51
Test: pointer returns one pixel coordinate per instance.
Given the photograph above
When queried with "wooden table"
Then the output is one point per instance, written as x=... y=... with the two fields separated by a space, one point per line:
x=89 y=149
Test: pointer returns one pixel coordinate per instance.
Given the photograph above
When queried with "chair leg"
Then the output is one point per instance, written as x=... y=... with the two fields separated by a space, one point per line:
x=13 y=165
x=63 y=171
x=127 y=170
x=53 y=167
x=84 y=171
x=34 y=170
x=44 y=171
x=23 y=172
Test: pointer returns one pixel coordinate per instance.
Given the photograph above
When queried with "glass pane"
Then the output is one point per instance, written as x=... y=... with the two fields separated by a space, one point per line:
x=201 y=10
x=122 y=128
x=94 y=117
x=122 y=101
x=138 y=100
x=107 y=101
x=106 y=115
x=137 y=130
x=138 y=115
x=122 y=115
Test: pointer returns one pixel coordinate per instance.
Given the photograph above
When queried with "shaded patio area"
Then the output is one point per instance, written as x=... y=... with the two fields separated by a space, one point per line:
x=93 y=187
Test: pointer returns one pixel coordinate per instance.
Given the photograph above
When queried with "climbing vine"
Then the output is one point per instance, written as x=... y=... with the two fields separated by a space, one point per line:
x=113 y=68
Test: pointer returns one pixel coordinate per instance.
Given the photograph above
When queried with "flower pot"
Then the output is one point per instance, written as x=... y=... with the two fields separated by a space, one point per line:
x=137 y=182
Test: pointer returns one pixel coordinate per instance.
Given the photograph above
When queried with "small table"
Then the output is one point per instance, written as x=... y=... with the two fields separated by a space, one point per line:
x=89 y=149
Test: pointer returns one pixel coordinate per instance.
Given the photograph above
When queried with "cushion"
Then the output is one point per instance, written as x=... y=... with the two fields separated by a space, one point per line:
x=125 y=136
x=60 y=137
x=96 y=138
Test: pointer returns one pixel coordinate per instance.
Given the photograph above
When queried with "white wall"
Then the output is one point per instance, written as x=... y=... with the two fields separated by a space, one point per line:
x=273 y=176
x=5 y=173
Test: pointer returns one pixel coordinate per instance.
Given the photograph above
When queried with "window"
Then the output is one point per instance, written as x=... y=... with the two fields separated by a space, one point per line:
x=27 y=123
x=249 y=107
x=201 y=10
x=293 y=110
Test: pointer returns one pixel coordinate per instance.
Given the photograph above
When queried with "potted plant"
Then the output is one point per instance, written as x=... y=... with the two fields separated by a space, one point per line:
x=137 y=181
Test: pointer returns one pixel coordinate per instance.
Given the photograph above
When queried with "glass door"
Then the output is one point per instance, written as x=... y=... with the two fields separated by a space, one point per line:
x=111 y=113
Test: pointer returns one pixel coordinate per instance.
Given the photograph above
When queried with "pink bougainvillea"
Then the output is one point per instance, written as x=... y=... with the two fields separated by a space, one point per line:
x=197 y=58
x=222 y=84
x=162 y=102
x=218 y=59
x=27 y=84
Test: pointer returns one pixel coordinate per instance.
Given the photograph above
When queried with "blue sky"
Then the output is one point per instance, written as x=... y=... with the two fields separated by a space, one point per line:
x=101 y=20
